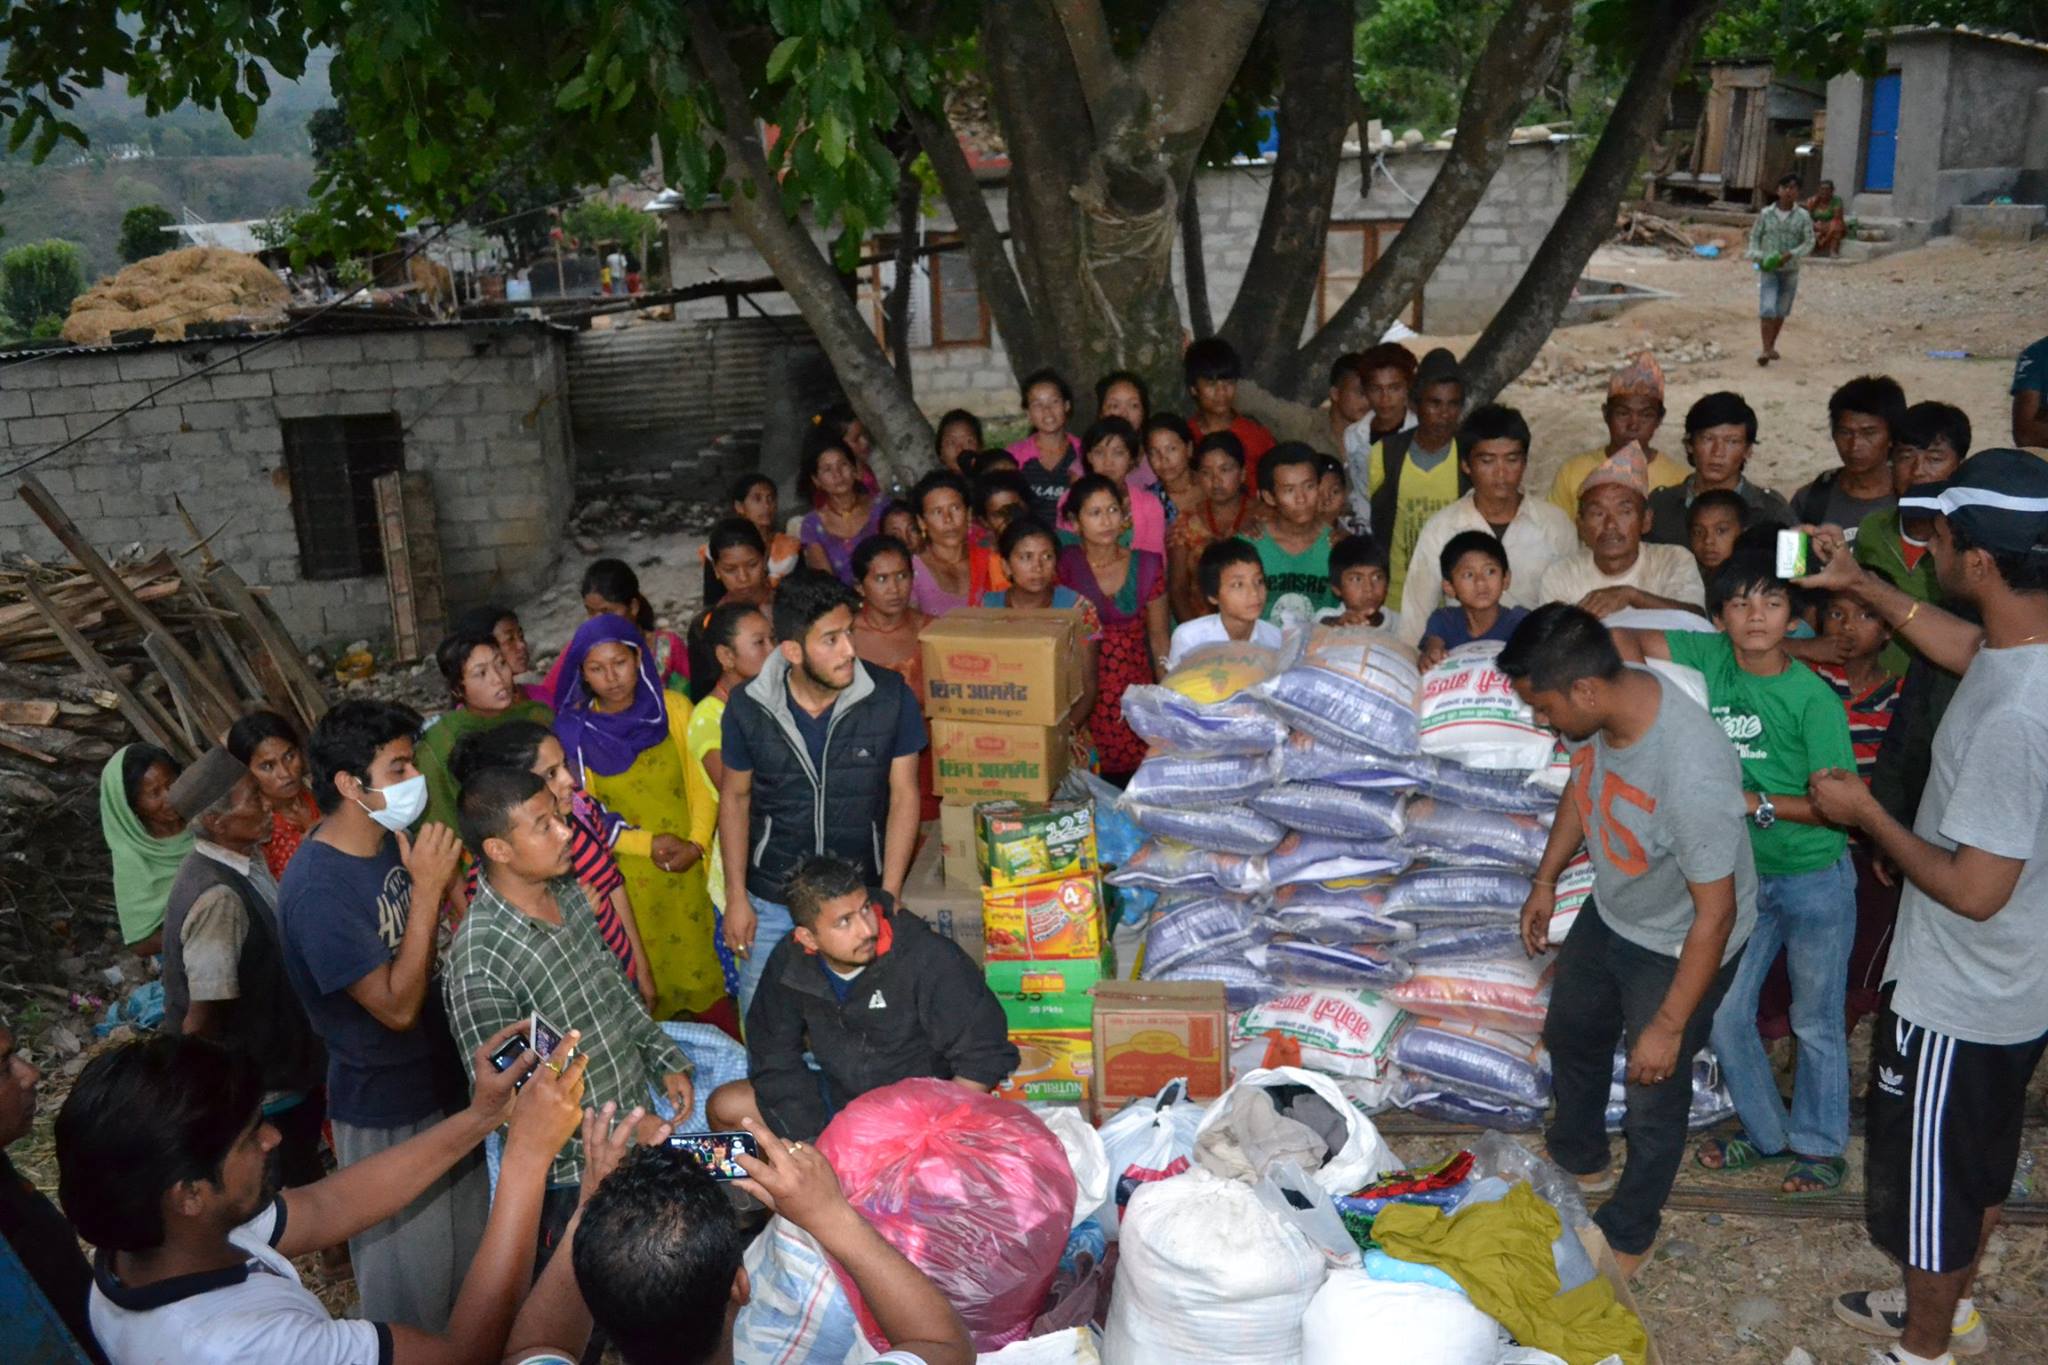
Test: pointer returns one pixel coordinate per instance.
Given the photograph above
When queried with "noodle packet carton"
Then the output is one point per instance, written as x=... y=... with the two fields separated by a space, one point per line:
x=1055 y=918
x=1016 y=843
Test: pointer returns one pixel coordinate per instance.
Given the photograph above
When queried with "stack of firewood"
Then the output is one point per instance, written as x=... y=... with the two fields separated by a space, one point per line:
x=1635 y=228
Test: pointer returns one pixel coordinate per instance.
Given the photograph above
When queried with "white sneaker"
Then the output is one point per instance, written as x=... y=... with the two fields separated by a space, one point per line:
x=1882 y=1312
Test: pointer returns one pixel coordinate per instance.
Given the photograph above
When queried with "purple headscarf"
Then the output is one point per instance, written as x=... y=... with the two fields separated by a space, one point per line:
x=607 y=743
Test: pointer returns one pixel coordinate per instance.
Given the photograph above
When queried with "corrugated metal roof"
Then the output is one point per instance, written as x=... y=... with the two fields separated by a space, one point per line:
x=337 y=326
x=700 y=378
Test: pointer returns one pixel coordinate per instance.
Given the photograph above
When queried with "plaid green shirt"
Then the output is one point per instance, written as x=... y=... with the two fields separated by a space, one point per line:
x=1778 y=233
x=505 y=965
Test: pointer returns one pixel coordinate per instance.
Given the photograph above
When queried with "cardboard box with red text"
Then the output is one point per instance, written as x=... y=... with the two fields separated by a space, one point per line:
x=982 y=761
x=1018 y=666
x=1147 y=1033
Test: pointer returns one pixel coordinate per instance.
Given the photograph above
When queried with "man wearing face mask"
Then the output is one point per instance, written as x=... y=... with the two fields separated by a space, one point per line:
x=362 y=962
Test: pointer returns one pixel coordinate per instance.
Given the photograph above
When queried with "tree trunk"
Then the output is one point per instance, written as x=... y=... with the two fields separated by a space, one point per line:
x=903 y=441
x=896 y=303
x=1195 y=270
x=1312 y=40
x=1519 y=329
x=1520 y=52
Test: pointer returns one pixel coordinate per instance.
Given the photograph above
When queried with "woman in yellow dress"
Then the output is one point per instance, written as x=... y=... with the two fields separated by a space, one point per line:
x=628 y=740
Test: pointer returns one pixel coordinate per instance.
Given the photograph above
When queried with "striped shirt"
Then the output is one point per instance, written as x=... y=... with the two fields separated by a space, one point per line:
x=593 y=830
x=1869 y=712
x=505 y=965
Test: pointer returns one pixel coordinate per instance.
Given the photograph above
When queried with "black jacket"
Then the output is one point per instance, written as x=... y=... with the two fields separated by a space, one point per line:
x=920 y=1009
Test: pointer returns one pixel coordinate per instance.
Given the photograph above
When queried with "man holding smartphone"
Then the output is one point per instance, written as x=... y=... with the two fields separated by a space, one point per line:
x=530 y=947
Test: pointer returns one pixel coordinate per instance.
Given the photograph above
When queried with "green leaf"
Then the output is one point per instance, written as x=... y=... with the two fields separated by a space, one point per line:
x=614 y=72
x=478 y=101
x=784 y=53
x=574 y=94
x=832 y=139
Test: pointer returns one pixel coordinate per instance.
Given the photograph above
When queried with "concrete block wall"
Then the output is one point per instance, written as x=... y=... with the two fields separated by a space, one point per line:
x=483 y=411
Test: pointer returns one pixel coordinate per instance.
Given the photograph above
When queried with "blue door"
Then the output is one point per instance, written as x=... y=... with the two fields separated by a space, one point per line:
x=1883 y=149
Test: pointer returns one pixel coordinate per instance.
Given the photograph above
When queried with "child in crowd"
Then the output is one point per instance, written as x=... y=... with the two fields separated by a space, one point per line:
x=611 y=588
x=1128 y=590
x=1049 y=457
x=959 y=434
x=1123 y=394
x=1212 y=369
x=1000 y=497
x=1226 y=509
x=1413 y=474
x=1476 y=573
x=1294 y=545
x=1333 y=495
x=1235 y=586
x=899 y=519
x=1110 y=448
x=1170 y=457
x=1786 y=725
x=730 y=644
x=739 y=563
x=1358 y=575
x=501 y=624
x=753 y=496
x=1031 y=563
x=1713 y=523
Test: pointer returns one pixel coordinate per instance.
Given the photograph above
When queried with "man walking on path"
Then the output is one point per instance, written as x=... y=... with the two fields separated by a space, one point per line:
x=1956 y=1048
x=1783 y=233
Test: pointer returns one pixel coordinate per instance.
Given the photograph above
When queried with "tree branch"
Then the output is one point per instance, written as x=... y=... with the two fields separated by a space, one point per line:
x=1312 y=40
x=1189 y=60
x=871 y=384
x=1101 y=74
x=1520 y=52
x=1194 y=267
x=1518 y=330
x=993 y=272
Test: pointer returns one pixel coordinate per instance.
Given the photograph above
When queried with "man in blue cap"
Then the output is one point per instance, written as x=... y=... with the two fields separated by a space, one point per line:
x=1968 y=1019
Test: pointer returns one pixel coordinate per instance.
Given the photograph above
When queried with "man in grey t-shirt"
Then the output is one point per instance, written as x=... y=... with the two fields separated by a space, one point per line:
x=1656 y=797
x=1967 y=1025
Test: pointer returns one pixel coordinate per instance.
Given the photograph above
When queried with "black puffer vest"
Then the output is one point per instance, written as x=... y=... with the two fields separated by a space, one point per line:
x=841 y=808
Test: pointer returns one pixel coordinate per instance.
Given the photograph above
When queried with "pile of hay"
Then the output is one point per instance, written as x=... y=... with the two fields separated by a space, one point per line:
x=170 y=292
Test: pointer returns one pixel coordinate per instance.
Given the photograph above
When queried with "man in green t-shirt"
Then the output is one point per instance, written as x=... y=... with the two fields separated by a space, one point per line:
x=1786 y=724
x=1294 y=545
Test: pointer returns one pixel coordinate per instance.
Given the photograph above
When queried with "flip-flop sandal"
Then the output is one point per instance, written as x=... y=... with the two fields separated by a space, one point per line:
x=1825 y=1172
x=1737 y=1154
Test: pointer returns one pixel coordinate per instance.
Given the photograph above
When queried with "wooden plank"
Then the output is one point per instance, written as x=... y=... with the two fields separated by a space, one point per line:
x=207 y=724
x=28 y=713
x=215 y=633
x=72 y=539
x=145 y=722
x=16 y=745
x=309 y=696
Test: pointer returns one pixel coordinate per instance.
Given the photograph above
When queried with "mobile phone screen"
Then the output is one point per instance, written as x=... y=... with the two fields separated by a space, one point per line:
x=714 y=1152
x=546 y=1038
x=508 y=1053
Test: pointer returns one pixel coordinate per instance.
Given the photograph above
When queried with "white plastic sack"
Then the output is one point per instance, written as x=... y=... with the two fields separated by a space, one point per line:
x=1220 y=829
x=1365 y=1153
x=1511 y=993
x=1170 y=779
x=1512 y=1068
x=1354 y=1317
x=1574 y=889
x=1342 y=966
x=1172 y=723
x=1470 y=714
x=1356 y=688
x=1450 y=833
x=1341 y=912
x=797 y=1310
x=1208 y=1276
x=1340 y=1032
x=1196 y=930
x=1323 y=808
x=1074 y=1346
x=1145 y=1141
x=1308 y=758
x=1085 y=1154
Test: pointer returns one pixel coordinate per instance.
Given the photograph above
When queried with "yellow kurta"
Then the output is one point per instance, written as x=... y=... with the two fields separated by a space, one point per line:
x=660 y=796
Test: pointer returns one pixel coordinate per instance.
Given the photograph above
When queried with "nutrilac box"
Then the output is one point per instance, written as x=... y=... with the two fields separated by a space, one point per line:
x=1017 y=843
x=999 y=664
x=1053 y=1065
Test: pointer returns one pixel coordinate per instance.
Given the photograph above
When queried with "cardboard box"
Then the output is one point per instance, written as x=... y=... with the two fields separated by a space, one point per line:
x=982 y=761
x=1049 y=994
x=954 y=912
x=1054 y=1065
x=1602 y=1257
x=996 y=663
x=1049 y=919
x=1017 y=843
x=957 y=844
x=1147 y=1033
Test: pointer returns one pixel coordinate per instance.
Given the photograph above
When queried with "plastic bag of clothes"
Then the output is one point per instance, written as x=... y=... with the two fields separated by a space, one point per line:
x=1207 y=1274
x=1171 y=723
x=974 y=1191
x=1147 y=1140
x=1173 y=780
x=1340 y=966
x=1306 y=757
x=1350 y=911
x=1511 y=994
x=1442 y=1185
x=1470 y=715
x=1085 y=1158
x=1445 y=832
x=1483 y=1063
x=797 y=1309
x=1412 y=1323
x=1339 y=812
x=1197 y=928
x=1297 y=1114
x=1222 y=829
x=1321 y=858
x=1339 y=1032
x=1354 y=688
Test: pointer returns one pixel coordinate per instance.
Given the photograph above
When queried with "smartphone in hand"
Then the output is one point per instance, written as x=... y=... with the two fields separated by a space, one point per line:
x=713 y=1153
x=540 y=1036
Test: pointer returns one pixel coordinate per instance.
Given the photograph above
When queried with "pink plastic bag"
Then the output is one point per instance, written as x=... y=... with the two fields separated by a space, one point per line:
x=974 y=1191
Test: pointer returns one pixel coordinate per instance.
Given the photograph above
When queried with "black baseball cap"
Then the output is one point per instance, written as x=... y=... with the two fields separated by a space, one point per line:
x=1997 y=499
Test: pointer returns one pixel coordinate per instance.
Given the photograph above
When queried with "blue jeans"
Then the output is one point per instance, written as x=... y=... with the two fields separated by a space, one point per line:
x=1775 y=292
x=771 y=925
x=1812 y=916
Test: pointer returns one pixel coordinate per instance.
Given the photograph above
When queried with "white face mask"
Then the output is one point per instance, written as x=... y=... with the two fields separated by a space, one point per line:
x=404 y=802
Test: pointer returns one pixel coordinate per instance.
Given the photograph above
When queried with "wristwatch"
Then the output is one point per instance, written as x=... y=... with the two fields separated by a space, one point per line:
x=1765 y=815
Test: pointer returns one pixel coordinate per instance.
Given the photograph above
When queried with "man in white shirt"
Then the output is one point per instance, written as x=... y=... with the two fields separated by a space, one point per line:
x=161 y=1150
x=656 y=1263
x=1493 y=452
x=1614 y=567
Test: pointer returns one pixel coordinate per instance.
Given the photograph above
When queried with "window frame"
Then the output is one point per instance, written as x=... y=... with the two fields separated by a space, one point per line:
x=367 y=446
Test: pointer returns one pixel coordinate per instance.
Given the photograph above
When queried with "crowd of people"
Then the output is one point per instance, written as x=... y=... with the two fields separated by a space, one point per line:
x=710 y=828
